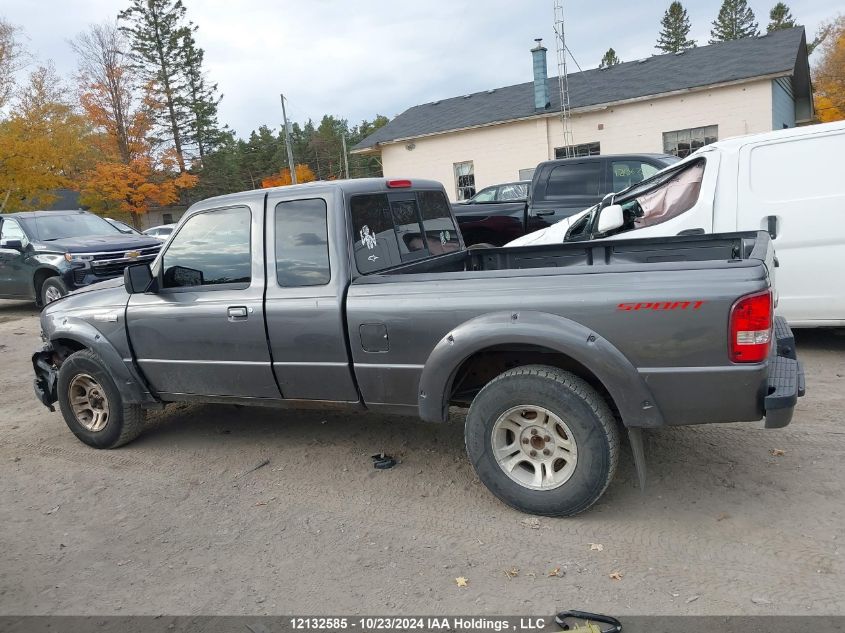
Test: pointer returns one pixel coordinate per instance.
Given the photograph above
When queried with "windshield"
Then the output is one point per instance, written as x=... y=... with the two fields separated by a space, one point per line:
x=57 y=227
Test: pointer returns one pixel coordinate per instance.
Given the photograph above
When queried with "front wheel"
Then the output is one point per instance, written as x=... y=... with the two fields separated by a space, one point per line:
x=92 y=405
x=542 y=440
x=52 y=290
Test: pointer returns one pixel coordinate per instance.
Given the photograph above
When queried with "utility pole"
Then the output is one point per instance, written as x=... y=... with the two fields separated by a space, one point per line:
x=291 y=166
x=345 y=157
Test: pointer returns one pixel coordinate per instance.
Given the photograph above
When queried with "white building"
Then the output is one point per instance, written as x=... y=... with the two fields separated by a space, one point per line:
x=664 y=103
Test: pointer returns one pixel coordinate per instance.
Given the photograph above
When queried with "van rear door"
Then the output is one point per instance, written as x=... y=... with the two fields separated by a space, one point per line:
x=794 y=186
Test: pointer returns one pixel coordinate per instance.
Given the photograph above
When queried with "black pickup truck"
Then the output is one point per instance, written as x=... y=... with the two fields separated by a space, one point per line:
x=46 y=254
x=559 y=188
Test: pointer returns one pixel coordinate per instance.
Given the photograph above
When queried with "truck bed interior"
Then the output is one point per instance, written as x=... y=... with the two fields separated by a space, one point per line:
x=726 y=247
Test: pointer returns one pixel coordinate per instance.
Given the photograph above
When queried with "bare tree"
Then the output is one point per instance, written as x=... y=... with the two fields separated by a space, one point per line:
x=13 y=57
x=103 y=64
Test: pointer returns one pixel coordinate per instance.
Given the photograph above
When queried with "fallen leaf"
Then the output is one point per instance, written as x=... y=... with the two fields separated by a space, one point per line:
x=124 y=562
x=261 y=503
x=56 y=509
x=513 y=572
x=555 y=572
x=615 y=575
x=777 y=452
x=533 y=523
x=597 y=547
x=461 y=581
x=723 y=516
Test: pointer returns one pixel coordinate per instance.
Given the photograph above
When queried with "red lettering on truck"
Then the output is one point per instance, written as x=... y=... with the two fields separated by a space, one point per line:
x=660 y=305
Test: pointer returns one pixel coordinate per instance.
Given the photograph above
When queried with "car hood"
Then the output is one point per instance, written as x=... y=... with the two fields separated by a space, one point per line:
x=100 y=243
x=108 y=293
x=554 y=234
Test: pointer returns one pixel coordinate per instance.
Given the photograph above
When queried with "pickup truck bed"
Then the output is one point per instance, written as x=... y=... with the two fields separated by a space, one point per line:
x=360 y=295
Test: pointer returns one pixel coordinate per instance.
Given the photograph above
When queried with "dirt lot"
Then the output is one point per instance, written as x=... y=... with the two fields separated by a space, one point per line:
x=176 y=522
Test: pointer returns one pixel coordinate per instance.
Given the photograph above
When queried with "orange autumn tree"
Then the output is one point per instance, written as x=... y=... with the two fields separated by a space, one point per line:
x=131 y=173
x=303 y=174
x=829 y=73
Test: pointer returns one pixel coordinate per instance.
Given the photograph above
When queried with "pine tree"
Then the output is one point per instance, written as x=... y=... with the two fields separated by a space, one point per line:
x=610 y=59
x=156 y=29
x=675 y=28
x=780 y=18
x=201 y=98
x=734 y=22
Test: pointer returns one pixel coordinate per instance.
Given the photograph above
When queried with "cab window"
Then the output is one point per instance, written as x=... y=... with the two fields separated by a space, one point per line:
x=11 y=230
x=485 y=195
x=211 y=249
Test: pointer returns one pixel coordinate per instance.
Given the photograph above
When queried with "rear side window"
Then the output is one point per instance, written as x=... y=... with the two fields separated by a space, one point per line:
x=302 y=243
x=574 y=179
x=389 y=231
x=211 y=249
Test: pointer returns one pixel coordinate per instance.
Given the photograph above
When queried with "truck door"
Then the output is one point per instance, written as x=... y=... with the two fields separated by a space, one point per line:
x=203 y=332
x=793 y=187
x=564 y=190
x=15 y=276
x=307 y=275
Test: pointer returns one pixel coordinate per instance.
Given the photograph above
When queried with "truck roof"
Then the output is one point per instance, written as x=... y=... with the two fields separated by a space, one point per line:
x=348 y=186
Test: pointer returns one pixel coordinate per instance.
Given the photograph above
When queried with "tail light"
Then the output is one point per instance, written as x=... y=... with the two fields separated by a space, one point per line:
x=398 y=184
x=751 y=328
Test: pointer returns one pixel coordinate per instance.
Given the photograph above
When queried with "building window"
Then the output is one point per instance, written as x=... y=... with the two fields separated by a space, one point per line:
x=682 y=143
x=585 y=149
x=167 y=218
x=465 y=180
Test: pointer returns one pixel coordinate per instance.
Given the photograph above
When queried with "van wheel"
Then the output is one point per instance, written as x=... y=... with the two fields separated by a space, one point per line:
x=52 y=290
x=542 y=440
x=92 y=405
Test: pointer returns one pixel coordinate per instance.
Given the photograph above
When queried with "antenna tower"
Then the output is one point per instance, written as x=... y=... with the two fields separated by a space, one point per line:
x=563 y=81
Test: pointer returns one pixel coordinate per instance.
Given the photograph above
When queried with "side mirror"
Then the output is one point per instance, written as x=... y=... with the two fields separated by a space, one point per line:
x=15 y=245
x=137 y=278
x=612 y=217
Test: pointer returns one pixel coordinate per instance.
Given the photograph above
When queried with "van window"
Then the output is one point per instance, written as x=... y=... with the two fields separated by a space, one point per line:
x=797 y=169
x=574 y=179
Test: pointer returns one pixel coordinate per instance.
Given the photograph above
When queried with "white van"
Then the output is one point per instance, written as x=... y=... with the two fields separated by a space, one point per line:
x=789 y=182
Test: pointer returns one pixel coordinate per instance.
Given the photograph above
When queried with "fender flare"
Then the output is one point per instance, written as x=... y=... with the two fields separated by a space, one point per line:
x=629 y=391
x=132 y=388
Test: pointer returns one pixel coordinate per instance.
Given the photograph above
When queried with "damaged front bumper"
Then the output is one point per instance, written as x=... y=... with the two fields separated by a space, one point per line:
x=786 y=379
x=46 y=376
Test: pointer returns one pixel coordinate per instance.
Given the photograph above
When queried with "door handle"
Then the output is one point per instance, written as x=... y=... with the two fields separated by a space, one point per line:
x=692 y=232
x=542 y=213
x=237 y=313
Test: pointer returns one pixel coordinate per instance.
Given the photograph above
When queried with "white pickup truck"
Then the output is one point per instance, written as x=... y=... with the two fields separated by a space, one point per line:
x=789 y=182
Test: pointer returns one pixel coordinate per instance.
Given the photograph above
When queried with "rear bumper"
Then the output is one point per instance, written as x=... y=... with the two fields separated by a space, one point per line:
x=786 y=379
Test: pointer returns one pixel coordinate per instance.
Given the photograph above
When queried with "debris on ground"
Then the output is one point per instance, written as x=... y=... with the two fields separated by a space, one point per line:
x=383 y=461
x=598 y=547
x=615 y=575
x=260 y=464
x=556 y=573
x=513 y=572
x=760 y=600
x=777 y=452
x=531 y=522
x=461 y=581
x=52 y=510
x=692 y=599
x=723 y=516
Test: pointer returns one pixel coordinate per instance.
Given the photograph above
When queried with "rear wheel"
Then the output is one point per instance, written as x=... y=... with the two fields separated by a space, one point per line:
x=92 y=405
x=542 y=440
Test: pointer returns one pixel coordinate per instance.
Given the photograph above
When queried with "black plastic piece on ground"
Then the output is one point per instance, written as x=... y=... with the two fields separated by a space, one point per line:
x=561 y=620
x=382 y=461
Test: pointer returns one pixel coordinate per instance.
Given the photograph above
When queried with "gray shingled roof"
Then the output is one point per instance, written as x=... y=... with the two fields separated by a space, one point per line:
x=706 y=65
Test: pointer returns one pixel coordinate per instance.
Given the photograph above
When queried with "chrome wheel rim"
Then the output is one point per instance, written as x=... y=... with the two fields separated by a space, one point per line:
x=52 y=294
x=89 y=402
x=534 y=447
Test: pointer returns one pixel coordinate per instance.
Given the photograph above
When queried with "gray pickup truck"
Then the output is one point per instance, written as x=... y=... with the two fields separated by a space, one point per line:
x=360 y=295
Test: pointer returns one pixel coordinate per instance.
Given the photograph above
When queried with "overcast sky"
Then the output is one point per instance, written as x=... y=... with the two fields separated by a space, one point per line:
x=359 y=59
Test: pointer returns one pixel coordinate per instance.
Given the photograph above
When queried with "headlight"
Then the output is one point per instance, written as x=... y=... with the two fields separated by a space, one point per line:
x=72 y=257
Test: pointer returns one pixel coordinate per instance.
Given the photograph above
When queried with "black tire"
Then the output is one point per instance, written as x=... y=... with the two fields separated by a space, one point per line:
x=590 y=420
x=54 y=284
x=125 y=421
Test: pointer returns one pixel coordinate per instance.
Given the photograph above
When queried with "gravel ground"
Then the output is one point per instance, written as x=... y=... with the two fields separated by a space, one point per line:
x=178 y=522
